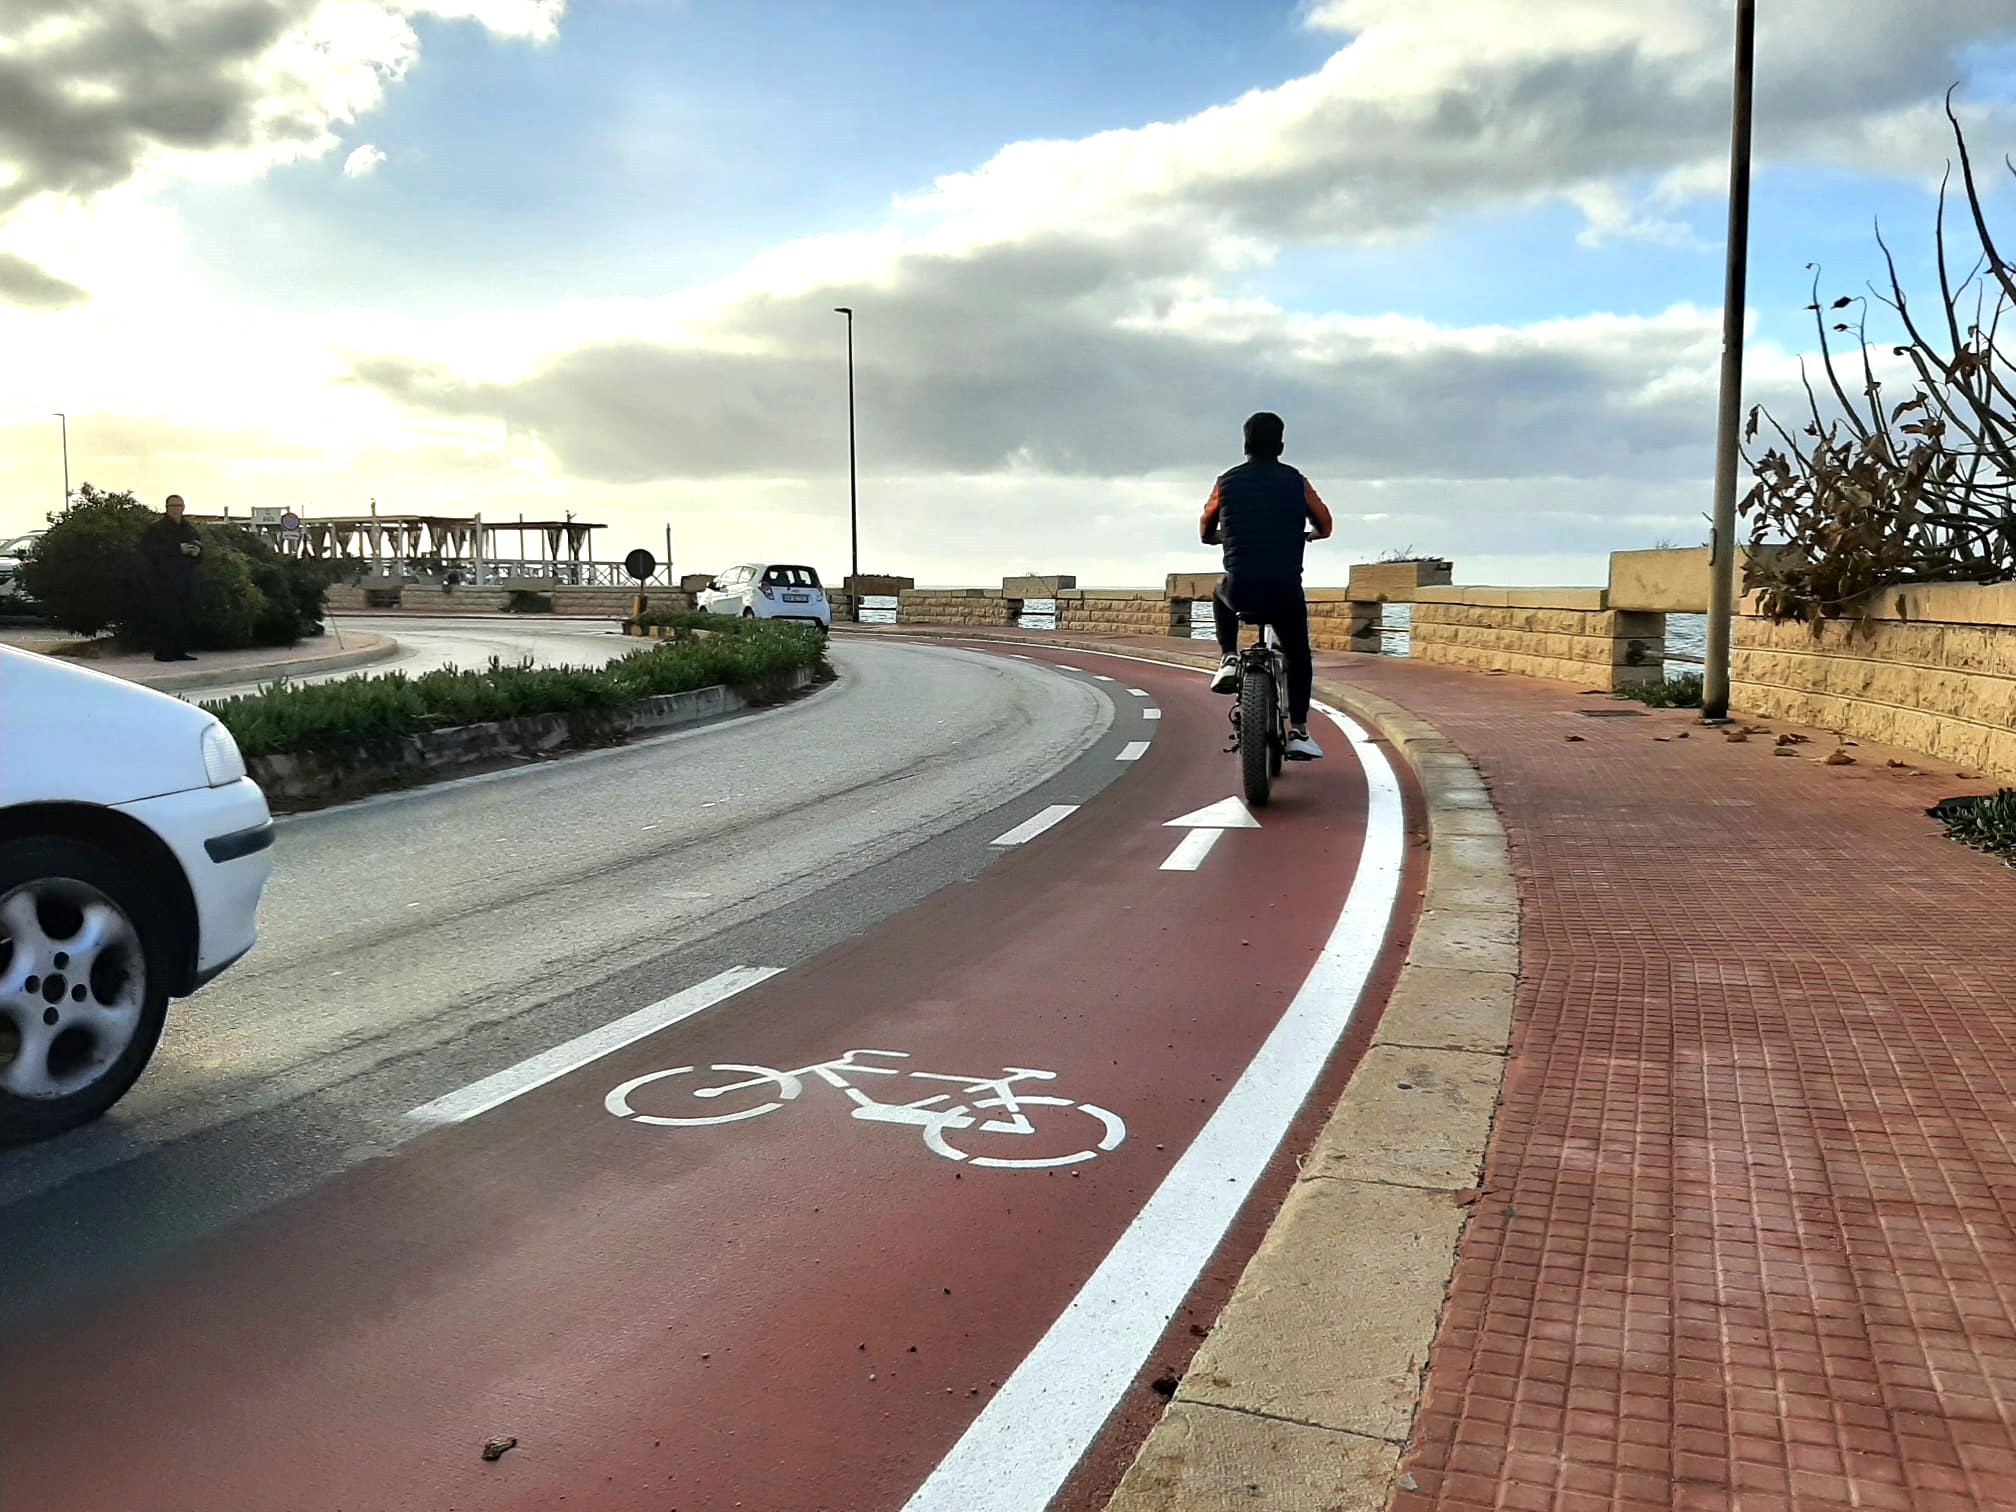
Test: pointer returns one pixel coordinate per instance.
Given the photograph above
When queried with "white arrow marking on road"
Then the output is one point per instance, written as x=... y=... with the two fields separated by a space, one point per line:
x=1206 y=826
x=1228 y=813
x=1192 y=849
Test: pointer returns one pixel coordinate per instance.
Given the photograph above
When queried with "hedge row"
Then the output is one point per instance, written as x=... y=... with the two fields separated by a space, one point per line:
x=370 y=715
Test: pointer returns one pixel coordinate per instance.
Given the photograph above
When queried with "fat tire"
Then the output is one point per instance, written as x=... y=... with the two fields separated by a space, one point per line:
x=1256 y=725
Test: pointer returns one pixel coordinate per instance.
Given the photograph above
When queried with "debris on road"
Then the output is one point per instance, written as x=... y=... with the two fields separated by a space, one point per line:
x=497 y=1448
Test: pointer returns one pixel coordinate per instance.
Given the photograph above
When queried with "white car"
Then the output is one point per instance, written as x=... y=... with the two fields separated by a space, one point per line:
x=11 y=553
x=760 y=590
x=133 y=854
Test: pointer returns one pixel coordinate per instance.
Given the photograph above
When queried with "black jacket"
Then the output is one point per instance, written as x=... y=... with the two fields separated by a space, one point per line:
x=161 y=548
x=1258 y=512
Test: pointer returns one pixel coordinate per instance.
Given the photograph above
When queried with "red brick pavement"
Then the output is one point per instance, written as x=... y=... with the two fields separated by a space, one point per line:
x=1749 y=1232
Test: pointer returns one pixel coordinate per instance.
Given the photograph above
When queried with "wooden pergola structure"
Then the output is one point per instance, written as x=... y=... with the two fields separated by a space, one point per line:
x=405 y=538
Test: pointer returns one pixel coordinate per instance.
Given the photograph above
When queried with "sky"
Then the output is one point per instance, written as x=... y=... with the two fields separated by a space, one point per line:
x=541 y=256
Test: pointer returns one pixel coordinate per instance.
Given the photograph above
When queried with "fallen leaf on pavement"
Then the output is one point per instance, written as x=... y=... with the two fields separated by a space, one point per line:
x=1574 y=739
x=1839 y=758
x=497 y=1448
x=1785 y=740
x=1898 y=766
x=1793 y=754
x=1736 y=737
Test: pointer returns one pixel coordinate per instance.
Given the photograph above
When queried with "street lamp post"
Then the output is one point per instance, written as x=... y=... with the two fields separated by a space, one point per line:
x=853 y=484
x=66 y=455
x=1722 y=559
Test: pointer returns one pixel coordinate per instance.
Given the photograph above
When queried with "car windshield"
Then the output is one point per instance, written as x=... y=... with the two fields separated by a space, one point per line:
x=20 y=545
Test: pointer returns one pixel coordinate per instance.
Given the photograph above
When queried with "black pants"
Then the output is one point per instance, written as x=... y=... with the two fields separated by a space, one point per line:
x=172 y=619
x=1282 y=606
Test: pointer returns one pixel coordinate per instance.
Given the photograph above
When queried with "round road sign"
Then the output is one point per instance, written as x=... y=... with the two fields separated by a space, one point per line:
x=640 y=564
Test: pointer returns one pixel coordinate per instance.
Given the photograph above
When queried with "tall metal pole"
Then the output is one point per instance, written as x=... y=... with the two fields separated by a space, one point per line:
x=66 y=455
x=1728 y=450
x=853 y=483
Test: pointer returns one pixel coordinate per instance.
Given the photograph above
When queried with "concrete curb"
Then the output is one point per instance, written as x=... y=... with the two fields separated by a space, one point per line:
x=381 y=648
x=308 y=780
x=1305 y=1393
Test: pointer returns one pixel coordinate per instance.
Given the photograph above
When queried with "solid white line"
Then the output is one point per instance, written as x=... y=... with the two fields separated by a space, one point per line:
x=1029 y=829
x=513 y=1081
x=1138 y=692
x=1151 y=713
x=1023 y=1446
x=1191 y=850
x=1134 y=751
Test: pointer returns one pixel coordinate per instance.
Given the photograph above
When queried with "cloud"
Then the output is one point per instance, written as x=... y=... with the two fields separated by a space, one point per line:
x=95 y=92
x=23 y=283
x=363 y=162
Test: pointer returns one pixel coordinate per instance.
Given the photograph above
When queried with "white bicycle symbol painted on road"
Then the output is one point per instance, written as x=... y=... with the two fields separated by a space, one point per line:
x=999 y=1111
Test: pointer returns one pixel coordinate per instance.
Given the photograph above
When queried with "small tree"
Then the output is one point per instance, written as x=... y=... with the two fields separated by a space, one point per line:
x=85 y=572
x=1869 y=493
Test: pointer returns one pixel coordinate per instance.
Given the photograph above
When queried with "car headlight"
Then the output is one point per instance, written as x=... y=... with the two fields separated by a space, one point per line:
x=222 y=762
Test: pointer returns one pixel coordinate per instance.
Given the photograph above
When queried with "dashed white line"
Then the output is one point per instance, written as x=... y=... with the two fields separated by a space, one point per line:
x=1191 y=850
x=1029 y=829
x=1138 y=692
x=514 y=1081
x=1100 y=677
x=1151 y=713
x=1133 y=751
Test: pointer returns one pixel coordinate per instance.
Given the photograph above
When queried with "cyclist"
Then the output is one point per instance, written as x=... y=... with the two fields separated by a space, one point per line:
x=1261 y=512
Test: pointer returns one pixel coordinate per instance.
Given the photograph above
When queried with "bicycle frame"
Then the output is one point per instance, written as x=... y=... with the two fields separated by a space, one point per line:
x=835 y=1073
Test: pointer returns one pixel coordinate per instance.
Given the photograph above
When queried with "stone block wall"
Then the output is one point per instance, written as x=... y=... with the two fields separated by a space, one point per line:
x=1932 y=669
x=1567 y=634
x=1397 y=582
x=956 y=606
x=1120 y=611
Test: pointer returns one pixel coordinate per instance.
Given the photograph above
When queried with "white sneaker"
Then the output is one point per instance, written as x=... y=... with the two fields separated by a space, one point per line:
x=1302 y=748
x=1226 y=678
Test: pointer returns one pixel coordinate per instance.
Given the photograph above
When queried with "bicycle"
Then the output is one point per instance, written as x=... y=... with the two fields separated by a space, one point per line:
x=776 y=1088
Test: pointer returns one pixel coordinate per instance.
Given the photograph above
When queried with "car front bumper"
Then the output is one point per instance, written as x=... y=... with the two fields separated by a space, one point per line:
x=222 y=838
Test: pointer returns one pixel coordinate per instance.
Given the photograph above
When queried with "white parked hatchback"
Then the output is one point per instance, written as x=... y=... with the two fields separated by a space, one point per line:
x=761 y=590
x=133 y=854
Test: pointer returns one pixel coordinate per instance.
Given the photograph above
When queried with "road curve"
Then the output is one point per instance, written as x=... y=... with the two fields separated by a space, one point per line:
x=800 y=1293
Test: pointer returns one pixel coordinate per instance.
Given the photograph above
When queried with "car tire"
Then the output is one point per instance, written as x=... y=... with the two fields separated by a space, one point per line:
x=748 y=614
x=57 y=892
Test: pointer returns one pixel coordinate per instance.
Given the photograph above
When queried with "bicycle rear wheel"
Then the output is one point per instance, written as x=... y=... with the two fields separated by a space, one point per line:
x=1258 y=719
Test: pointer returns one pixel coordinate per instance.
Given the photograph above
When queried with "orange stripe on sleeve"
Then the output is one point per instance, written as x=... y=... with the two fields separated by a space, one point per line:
x=1207 y=528
x=1318 y=510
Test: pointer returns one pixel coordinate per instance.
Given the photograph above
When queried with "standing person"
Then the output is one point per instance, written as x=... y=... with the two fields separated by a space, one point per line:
x=170 y=550
x=1261 y=512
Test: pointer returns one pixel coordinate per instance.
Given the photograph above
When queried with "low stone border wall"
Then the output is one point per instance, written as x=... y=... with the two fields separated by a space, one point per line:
x=1930 y=668
x=956 y=606
x=311 y=780
x=1566 y=634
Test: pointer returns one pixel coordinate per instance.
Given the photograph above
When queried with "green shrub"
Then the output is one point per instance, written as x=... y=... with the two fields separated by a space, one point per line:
x=85 y=572
x=1681 y=692
x=1985 y=824
x=362 y=716
x=87 y=575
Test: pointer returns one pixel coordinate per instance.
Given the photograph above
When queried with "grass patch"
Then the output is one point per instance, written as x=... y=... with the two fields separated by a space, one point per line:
x=1983 y=824
x=1682 y=692
x=370 y=716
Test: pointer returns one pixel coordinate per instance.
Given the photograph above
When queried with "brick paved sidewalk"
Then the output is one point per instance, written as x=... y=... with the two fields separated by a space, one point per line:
x=1748 y=1237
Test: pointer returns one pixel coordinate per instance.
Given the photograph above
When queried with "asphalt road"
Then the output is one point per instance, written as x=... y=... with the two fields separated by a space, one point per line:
x=482 y=1141
x=413 y=939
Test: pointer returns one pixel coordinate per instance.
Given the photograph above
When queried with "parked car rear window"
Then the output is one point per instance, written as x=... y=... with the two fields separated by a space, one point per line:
x=791 y=577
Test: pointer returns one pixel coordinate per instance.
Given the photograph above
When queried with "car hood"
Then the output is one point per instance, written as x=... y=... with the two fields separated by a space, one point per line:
x=68 y=734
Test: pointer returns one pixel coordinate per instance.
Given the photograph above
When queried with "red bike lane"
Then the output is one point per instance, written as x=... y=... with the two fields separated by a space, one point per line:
x=798 y=1310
